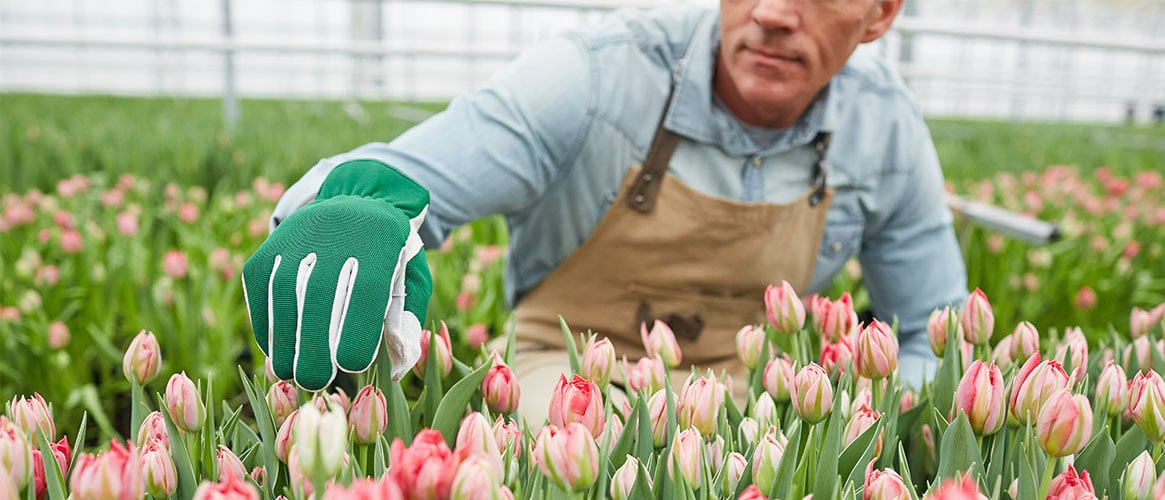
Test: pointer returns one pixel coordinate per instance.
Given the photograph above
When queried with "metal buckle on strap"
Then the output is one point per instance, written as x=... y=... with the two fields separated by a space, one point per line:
x=821 y=145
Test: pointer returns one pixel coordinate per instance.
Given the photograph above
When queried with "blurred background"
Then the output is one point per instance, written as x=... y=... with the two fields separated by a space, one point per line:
x=143 y=144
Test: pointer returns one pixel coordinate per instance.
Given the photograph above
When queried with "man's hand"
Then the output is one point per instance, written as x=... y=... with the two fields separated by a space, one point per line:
x=340 y=274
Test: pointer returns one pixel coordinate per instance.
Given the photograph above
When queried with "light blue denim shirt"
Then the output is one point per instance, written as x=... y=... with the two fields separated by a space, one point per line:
x=548 y=139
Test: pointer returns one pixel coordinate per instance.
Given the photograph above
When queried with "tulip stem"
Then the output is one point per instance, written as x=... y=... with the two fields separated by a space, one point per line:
x=1049 y=471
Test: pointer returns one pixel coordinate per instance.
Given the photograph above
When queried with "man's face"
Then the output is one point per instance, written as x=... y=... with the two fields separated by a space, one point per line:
x=778 y=54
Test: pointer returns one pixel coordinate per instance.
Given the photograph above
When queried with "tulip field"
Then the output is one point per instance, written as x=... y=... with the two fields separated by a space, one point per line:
x=129 y=371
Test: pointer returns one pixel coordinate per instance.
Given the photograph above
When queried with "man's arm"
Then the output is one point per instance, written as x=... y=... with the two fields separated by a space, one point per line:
x=496 y=150
x=911 y=261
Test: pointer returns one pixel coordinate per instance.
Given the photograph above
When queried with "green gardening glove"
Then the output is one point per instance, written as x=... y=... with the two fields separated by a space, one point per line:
x=342 y=276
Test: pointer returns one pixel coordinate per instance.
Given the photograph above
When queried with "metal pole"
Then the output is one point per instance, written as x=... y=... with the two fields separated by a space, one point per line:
x=230 y=100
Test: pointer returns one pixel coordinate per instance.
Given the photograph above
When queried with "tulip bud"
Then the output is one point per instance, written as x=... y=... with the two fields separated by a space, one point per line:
x=778 y=378
x=60 y=451
x=785 y=311
x=443 y=349
x=33 y=414
x=233 y=487
x=153 y=431
x=1001 y=355
x=1147 y=404
x=981 y=395
x=1033 y=385
x=884 y=485
x=500 y=388
x=1069 y=484
x=977 y=318
x=1065 y=424
x=859 y=422
x=15 y=453
x=686 y=459
x=765 y=410
x=425 y=469
x=623 y=482
x=369 y=415
x=1140 y=322
x=476 y=438
x=1159 y=488
x=597 y=360
x=700 y=402
x=657 y=410
x=116 y=473
x=281 y=398
x=184 y=403
x=734 y=466
x=747 y=432
x=750 y=342
x=143 y=359
x=159 y=471
x=228 y=463
x=58 y=335
x=765 y=460
x=877 y=351
x=906 y=401
x=812 y=394
x=937 y=330
x=1138 y=478
x=1074 y=349
x=1112 y=389
x=752 y=493
x=578 y=400
x=1025 y=341
x=611 y=433
x=475 y=480
x=661 y=342
x=322 y=441
x=647 y=375
x=841 y=321
x=283 y=439
x=508 y=437
x=568 y=457
x=837 y=357
x=259 y=474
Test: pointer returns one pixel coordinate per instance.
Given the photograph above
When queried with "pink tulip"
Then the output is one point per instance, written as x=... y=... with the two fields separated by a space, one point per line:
x=64 y=220
x=500 y=388
x=1159 y=488
x=60 y=450
x=1141 y=347
x=816 y=307
x=661 y=342
x=657 y=412
x=1065 y=424
x=1147 y=404
x=750 y=341
x=365 y=489
x=686 y=458
x=784 y=309
x=508 y=437
x=734 y=466
x=228 y=463
x=597 y=360
x=1025 y=341
x=1074 y=349
x=476 y=335
x=981 y=395
x=752 y=493
x=58 y=335
x=838 y=356
x=841 y=321
x=1001 y=355
x=859 y=422
x=1035 y=383
x=32 y=415
x=977 y=318
x=748 y=430
x=282 y=400
x=624 y=479
x=127 y=223
x=116 y=473
x=48 y=275
x=765 y=410
x=646 y=376
x=578 y=400
x=443 y=349
x=475 y=480
x=906 y=401
x=188 y=213
x=778 y=378
x=476 y=438
x=812 y=394
x=1112 y=389
x=877 y=351
x=568 y=457
x=158 y=469
x=283 y=439
x=1141 y=321
x=700 y=403
x=153 y=431
x=464 y=301
x=884 y=485
x=143 y=359
x=426 y=468
x=765 y=460
x=368 y=416
x=184 y=403
x=174 y=264
x=1070 y=485
x=71 y=241
x=231 y=488
x=15 y=453
x=1085 y=298
x=957 y=489
x=1138 y=477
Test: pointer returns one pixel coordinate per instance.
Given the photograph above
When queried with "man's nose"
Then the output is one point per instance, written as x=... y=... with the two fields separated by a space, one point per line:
x=777 y=14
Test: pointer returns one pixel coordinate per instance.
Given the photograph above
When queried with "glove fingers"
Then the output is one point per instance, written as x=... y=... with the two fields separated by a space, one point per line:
x=256 y=292
x=318 y=282
x=285 y=315
x=406 y=314
x=367 y=284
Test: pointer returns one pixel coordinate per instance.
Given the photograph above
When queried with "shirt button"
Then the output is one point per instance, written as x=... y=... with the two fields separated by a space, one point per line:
x=756 y=161
x=836 y=247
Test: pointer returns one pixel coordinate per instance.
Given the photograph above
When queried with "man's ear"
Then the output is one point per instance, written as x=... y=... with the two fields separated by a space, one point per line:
x=881 y=16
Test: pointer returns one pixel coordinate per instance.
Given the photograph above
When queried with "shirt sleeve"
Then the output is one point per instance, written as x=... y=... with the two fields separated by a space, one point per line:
x=496 y=150
x=911 y=260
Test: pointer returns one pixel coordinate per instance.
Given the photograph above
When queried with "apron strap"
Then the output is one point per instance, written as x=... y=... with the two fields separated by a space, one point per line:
x=642 y=196
x=821 y=145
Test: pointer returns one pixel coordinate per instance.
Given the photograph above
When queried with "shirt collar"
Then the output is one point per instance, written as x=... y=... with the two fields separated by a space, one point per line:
x=692 y=114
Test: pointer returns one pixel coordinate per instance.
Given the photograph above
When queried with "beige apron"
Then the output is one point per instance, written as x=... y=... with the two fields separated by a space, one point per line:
x=665 y=251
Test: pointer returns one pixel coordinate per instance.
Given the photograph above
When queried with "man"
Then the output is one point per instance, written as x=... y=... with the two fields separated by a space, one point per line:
x=664 y=165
